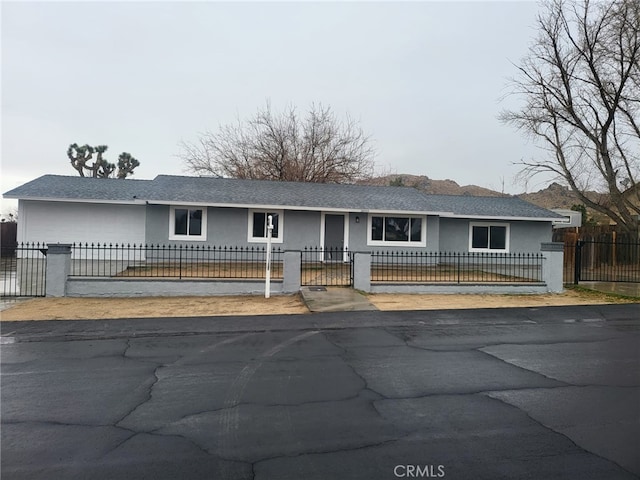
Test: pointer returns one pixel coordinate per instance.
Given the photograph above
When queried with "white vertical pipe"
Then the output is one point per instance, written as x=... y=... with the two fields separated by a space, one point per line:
x=267 y=286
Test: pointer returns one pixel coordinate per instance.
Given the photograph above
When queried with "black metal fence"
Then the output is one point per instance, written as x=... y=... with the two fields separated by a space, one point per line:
x=436 y=267
x=173 y=261
x=326 y=267
x=602 y=261
x=23 y=270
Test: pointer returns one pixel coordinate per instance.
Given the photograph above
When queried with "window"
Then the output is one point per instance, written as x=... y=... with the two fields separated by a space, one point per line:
x=187 y=223
x=396 y=231
x=258 y=226
x=485 y=237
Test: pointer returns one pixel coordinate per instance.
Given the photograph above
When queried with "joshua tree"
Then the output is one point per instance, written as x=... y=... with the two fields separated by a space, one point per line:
x=126 y=165
x=100 y=168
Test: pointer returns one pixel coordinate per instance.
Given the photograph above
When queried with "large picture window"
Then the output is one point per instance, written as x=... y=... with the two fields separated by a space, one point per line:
x=489 y=237
x=392 y=230
x=258 y=225
x=187 y=223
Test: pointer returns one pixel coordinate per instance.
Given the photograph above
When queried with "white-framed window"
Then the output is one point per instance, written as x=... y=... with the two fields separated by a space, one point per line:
x=187 y=223
x=489 y=237
x=258 y=226
x=388 y=230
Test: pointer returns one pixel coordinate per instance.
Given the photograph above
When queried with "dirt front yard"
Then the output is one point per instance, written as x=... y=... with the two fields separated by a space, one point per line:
x=103 y=308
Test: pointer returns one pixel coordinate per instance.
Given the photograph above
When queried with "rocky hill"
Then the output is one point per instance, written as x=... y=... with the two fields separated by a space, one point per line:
x=436 y=187
x=553 y=196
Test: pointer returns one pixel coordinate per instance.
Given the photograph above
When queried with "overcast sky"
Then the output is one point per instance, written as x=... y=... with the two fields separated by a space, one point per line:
x=425 y=79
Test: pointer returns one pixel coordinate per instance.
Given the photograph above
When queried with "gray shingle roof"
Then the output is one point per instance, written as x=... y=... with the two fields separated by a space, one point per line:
x=224 y=191
x=62 y=187
x=264 y=192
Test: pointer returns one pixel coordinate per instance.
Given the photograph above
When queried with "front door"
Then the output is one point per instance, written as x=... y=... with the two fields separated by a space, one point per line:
x=334 y=238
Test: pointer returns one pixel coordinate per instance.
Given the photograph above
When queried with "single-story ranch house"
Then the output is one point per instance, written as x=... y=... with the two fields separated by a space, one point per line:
x=220 y=211
x=201 y=236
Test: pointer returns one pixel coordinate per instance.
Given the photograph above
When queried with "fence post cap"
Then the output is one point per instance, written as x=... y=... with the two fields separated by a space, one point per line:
x=552 y=247
x=55 y=248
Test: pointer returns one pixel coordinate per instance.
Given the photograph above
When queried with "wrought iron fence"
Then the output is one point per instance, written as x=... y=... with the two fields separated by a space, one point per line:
x=436 y=267
x=326 y=267
x=605 y=261
x=173 y=261
x=23 y=269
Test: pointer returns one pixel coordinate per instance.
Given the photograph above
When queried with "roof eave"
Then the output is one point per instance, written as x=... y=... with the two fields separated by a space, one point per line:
x=502 y=217
x=133 y=201
x=296 y=207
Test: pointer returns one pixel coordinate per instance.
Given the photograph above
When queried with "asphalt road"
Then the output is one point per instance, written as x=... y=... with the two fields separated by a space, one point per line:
x=548 y=393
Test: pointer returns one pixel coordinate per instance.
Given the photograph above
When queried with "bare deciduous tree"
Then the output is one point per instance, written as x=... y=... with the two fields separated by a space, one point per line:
x=581 y=86
x=317 y=148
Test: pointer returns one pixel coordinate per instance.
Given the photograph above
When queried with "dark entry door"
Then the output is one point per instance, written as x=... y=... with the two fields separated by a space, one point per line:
x=334 y=237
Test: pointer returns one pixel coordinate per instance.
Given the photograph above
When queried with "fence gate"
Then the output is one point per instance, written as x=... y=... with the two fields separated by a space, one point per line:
x=327 y=267
x=603 y=261
x=23 y=270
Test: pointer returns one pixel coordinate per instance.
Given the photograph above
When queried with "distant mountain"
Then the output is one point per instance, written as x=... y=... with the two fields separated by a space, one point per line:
x=559 y=196
x=553 y=196
x=436 y=187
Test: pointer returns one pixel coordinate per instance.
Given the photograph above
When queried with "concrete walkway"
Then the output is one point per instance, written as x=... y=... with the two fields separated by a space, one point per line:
x=628 y=289
x=334 y=299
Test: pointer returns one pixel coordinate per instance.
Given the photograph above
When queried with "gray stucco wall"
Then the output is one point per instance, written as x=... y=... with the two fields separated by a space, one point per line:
x=229 y=227
x=225 y=227
x=525 y=236
x=106 y=287
x=157 y=224
x=302 y=229
x=496 y=289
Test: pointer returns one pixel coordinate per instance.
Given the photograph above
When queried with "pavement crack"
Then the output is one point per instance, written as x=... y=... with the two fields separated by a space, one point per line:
x=352 y=368
x=186 y=439
x=148 y=397
x=566 y=384
x=342 y=349
x=64 y=424
x=230 y=419
x=561 y=433
x=470 y=392
x=122 y=442
x=335 y=450
x=126 y=347
x=272 y=405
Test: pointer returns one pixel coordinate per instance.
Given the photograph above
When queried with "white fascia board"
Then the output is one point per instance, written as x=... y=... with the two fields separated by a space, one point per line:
x=139 y=201
x=251 y=206
x=407 y=212
x=501 y=218
x=133 y=201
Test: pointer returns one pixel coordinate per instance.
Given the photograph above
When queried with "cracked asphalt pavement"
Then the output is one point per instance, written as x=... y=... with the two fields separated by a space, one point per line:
x=550 y=393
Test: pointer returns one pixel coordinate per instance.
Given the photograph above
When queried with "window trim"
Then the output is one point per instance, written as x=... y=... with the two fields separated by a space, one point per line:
x=191 y=238
x=251 y=238
x=384 y=243
x=489 y=249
